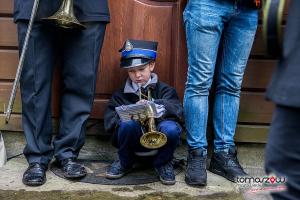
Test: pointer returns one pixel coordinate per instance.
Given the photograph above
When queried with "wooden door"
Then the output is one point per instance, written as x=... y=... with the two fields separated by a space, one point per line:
x=139 y=19
x=158 y=20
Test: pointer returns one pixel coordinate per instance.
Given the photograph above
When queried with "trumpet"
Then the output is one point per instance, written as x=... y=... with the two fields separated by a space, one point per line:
x=64 y=18
x=152 y=139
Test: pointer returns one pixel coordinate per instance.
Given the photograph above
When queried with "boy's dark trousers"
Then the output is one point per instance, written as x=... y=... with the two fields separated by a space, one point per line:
x=127 y=140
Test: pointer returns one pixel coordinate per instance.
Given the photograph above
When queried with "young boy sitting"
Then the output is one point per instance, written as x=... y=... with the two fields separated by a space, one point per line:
x=138 y=58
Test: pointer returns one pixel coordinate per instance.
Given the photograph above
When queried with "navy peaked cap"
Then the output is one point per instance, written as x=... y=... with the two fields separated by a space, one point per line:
x=136 y=53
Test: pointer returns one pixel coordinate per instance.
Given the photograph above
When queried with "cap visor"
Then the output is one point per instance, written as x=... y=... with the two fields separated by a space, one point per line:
x=134 y=62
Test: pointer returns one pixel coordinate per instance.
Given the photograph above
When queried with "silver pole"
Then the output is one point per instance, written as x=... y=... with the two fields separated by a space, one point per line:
x=21 y=61
x=140 y=91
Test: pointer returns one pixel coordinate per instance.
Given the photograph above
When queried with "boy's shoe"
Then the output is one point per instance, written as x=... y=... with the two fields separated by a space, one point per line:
x=227 y=165
x=166 y=174
x=116 y=170
x=196 y=174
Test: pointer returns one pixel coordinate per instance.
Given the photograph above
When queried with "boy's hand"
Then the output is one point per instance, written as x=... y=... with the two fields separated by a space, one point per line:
x=142 y=101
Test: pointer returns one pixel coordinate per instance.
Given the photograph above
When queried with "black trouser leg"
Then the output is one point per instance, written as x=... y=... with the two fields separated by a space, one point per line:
x=35 y=85
x=283 y=150
x=80 y=62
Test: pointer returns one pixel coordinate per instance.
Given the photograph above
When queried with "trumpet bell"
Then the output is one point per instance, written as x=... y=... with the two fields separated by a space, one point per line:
x=65 y=17
x=153 y=140
x=64 y=21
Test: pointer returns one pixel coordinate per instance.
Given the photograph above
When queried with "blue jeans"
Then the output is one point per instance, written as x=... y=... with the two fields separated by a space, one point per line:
x=128 y=142
x=219 y=36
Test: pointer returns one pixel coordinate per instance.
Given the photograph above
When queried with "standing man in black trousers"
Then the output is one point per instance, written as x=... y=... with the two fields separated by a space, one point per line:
x=283 y=147
x=79 y=53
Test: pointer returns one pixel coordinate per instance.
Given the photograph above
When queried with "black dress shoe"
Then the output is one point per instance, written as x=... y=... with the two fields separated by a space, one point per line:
x=35 y=175
x=72 y=169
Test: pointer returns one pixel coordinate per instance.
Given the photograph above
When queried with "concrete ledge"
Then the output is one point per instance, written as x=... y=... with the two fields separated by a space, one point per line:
x=11 y=186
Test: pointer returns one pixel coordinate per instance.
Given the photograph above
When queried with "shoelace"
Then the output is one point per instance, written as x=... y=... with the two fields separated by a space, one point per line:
x=197 y=162
x=116 y=166
x=233 y=162
x=167 y=169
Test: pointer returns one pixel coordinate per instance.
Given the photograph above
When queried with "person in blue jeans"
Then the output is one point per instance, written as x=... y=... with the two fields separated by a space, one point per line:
x=138 y=58
x=219 y=35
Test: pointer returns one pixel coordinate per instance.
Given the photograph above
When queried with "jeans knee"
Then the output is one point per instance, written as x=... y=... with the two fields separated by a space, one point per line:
x=198 y=86
x=171 y=129
x=128 y=126
x=233 y=89
x=129 y=131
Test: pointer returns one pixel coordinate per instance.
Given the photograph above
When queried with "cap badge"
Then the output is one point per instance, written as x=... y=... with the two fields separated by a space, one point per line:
x=128 y=46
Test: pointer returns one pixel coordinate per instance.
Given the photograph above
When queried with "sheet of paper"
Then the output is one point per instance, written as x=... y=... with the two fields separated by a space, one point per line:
x=136 y=111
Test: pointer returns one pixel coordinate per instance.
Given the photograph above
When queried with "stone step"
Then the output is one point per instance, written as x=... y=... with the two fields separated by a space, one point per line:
x=251 y=157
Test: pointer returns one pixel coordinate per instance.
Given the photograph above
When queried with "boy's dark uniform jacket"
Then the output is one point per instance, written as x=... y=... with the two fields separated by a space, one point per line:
x=85 y=10
x=161 y=93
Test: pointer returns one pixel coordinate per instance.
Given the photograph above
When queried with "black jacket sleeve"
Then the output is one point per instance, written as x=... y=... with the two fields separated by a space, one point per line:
x=169 y=98
x=111 y=118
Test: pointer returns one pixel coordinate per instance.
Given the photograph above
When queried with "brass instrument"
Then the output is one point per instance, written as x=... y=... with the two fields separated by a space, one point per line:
x=152 y=139
x=64 y=18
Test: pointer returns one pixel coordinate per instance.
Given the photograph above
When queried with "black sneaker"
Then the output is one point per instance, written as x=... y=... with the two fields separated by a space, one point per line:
x=196 y=174
x=166 y=174
x=116 y=170
x=227 y=165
